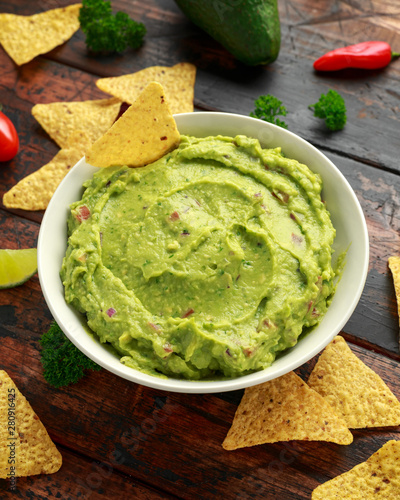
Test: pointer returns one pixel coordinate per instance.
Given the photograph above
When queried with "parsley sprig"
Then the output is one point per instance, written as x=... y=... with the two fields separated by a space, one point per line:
x=106 y=32
x=267 y=108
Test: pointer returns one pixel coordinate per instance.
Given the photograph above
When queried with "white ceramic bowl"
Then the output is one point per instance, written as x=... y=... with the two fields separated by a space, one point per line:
x=347 y=218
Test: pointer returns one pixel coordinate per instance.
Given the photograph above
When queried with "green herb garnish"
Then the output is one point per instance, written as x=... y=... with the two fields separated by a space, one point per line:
x=267 y=108
x=106 y=32
x=332 y=108
x=63 y=363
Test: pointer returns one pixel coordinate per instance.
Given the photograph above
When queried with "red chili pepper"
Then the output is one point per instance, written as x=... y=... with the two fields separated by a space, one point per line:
x=365 y=55
x=9 y=142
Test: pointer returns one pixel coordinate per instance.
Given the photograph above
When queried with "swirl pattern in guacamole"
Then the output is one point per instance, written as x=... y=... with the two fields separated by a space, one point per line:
x=206 y=263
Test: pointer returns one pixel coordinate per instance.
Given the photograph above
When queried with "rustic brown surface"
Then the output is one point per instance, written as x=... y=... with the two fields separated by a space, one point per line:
x=121 y=440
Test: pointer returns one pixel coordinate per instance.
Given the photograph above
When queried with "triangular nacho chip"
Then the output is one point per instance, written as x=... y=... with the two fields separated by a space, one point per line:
x=177 y=81
x=354 y=391
x=376 y=479
x=25 y=446
x=284 y=409
x=34 y=191
x=394 y=264
x=25 y=37
x=143 y=134
x=60 y=119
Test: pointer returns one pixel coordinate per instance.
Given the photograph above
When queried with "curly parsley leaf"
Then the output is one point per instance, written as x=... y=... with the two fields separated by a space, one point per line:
x=63 y=363
x=106 y=32
x=267 y=108
x=332 y=108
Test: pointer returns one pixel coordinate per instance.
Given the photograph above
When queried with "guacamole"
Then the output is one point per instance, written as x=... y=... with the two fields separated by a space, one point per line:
x=206 y=263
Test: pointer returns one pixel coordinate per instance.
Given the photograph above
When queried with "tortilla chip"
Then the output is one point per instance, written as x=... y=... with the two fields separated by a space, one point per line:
x=60 y=119
x=394 y=265
x=25 y=37
x=354 y=391
x=143 y=134
x=35 y=191
x=178 y=82
x=35 y=452
x=284 y=409
x=377 y=478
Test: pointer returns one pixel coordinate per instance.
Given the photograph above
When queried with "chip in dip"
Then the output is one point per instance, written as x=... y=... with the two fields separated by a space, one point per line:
x=205 y=263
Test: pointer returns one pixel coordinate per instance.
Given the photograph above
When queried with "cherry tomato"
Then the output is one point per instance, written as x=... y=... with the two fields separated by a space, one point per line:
x=9 y=142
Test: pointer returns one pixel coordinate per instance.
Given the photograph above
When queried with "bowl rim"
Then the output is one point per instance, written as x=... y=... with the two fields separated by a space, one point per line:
x=62 y=315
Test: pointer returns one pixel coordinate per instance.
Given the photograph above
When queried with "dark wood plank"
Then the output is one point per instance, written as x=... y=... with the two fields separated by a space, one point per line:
x=40 y=81
x=371 y=97
x=81 y=478
x=375 y=319
x=173 y=441
x=22 y=309
x=307 y=32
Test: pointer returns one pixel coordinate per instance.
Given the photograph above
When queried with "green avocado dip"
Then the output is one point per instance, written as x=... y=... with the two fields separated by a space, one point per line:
x=204 y=264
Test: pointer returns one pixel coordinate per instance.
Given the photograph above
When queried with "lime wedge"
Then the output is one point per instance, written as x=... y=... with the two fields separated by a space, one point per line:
x=17 y=266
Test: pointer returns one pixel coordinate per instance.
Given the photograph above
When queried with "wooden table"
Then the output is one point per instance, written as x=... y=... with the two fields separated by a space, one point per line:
x=121 y=440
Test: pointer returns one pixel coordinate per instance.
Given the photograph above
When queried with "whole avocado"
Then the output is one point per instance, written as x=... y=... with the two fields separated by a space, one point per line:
x=248 y=29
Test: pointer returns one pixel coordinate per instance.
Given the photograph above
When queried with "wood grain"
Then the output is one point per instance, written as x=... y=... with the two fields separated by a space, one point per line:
x=375 y=318
x=372 y=97
x=81 y=478
x=173 y=441
x=119 y=439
